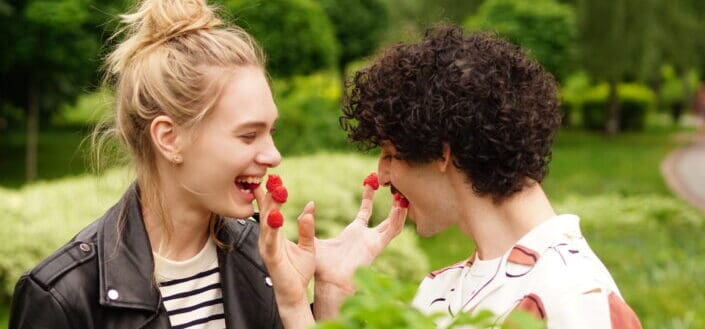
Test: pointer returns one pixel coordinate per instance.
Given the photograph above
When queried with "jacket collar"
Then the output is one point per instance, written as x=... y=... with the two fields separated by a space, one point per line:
x=126 y=266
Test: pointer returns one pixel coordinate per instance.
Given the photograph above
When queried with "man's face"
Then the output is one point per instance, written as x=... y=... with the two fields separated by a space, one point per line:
x=422 y=184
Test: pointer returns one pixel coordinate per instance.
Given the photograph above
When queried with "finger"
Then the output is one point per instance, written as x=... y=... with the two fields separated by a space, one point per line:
x=365 y=212
x=307 y=231
x=261 y=197
x=393 y=225
x=269 y=235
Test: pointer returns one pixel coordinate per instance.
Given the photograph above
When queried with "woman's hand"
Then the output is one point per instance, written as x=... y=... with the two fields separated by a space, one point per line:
x=291 y=266
x=338 y=258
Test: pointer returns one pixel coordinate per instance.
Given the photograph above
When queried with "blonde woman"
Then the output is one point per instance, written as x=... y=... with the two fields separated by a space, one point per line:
x=195 y=111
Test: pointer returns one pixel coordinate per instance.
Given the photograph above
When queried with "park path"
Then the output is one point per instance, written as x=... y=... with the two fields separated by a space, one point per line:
x=684 y=173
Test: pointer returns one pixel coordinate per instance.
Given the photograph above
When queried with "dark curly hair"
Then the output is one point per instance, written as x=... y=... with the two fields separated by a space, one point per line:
x=496 y=108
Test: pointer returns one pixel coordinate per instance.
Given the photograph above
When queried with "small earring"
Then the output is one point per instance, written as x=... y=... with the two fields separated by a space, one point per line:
x=177 y=159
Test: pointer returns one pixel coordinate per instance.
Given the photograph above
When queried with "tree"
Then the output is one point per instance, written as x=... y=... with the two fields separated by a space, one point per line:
x=614 y=38
x=358 y=27
x=546 y=28
x=51 y=55
x=296 y=35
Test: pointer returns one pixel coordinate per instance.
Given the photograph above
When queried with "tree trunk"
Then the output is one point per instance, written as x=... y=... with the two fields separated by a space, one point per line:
x=612 y=125
x=32 y=130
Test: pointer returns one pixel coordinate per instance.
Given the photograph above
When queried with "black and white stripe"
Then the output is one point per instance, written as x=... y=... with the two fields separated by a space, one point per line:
x=195 y=301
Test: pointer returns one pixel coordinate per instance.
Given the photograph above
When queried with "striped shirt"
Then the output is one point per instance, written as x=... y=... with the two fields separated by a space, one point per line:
x=191 y=290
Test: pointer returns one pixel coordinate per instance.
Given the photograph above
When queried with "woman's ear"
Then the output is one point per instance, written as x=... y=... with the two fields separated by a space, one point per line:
x=446 y=162
x=165 y=137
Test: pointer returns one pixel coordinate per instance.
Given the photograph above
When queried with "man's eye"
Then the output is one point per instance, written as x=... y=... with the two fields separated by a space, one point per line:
x=249 y=136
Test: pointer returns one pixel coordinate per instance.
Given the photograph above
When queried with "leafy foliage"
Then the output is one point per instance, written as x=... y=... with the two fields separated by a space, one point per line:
x=635 y=101
x=51 y=46
x=546 y=28
x=309 y=108
x=383 y=302
x=38 y=218
x=358 y=26
x=297 y=36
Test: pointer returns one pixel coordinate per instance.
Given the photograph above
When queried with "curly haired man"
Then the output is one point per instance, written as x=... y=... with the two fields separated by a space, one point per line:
x=465 y=124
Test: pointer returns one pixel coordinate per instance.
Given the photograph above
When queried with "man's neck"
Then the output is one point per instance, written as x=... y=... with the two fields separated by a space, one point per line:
x=496 y=227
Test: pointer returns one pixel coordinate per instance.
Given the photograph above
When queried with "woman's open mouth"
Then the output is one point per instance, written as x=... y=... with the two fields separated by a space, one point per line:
x=247 y=185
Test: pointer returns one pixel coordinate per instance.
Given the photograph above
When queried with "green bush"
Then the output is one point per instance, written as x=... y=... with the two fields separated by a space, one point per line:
x=296 y=35
x=571 y=90
x=546 y=28
x=358 y=26
x=383 y=302
x=309 y=108
x=88 y=110
x=653 y=248
x=39 y=218
x=635 y=101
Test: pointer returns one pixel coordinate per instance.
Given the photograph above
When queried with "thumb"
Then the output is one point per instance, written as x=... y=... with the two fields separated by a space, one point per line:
x=307 y=230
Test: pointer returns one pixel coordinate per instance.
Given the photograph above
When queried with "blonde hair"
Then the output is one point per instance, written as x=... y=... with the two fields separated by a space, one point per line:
x=163 y=66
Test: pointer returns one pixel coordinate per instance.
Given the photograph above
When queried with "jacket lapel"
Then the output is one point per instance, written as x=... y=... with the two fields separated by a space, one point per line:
x=125 y=266
x=250 y=301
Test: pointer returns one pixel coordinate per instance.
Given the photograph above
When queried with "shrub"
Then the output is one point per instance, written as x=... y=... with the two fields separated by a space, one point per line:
x=574 y=86
x=652 y=246
x=358 y=26
x=309 y=107
x=546 y=28
x=87 y=111
x=383 y=302
x=296 y=35
x=41 y=217
x=635 y=101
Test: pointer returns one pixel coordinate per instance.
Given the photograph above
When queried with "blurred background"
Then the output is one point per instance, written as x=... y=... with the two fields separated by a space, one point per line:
x=630 y=72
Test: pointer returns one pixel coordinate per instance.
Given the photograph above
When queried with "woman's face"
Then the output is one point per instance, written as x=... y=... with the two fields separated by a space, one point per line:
x=232 y=146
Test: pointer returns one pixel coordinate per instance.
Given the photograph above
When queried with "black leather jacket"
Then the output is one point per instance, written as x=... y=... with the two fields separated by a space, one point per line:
x=103 y=278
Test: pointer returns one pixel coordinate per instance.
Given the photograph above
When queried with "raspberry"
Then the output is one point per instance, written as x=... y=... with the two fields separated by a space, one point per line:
x=403 y=201
x=252 y=186
x=275 y=219
x=372 y=181
x=280 y=194
x=273 y=181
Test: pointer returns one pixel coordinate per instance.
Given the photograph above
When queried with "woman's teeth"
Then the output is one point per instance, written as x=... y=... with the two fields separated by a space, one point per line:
x=247 y=184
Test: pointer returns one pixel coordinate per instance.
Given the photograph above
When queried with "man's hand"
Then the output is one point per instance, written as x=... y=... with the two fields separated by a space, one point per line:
x=338 y=258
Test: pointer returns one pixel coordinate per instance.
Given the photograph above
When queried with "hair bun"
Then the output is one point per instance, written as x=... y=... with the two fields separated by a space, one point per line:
x=160 y=20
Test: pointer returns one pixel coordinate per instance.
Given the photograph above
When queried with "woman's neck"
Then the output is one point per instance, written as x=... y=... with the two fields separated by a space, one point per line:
x=180 y=230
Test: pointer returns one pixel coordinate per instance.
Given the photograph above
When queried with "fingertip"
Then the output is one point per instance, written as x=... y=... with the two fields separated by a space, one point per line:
x=259 y=197
x=310 y=207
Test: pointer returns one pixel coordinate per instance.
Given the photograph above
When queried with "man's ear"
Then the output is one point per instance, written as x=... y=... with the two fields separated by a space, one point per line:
x=447 y=161
x=165 y=138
